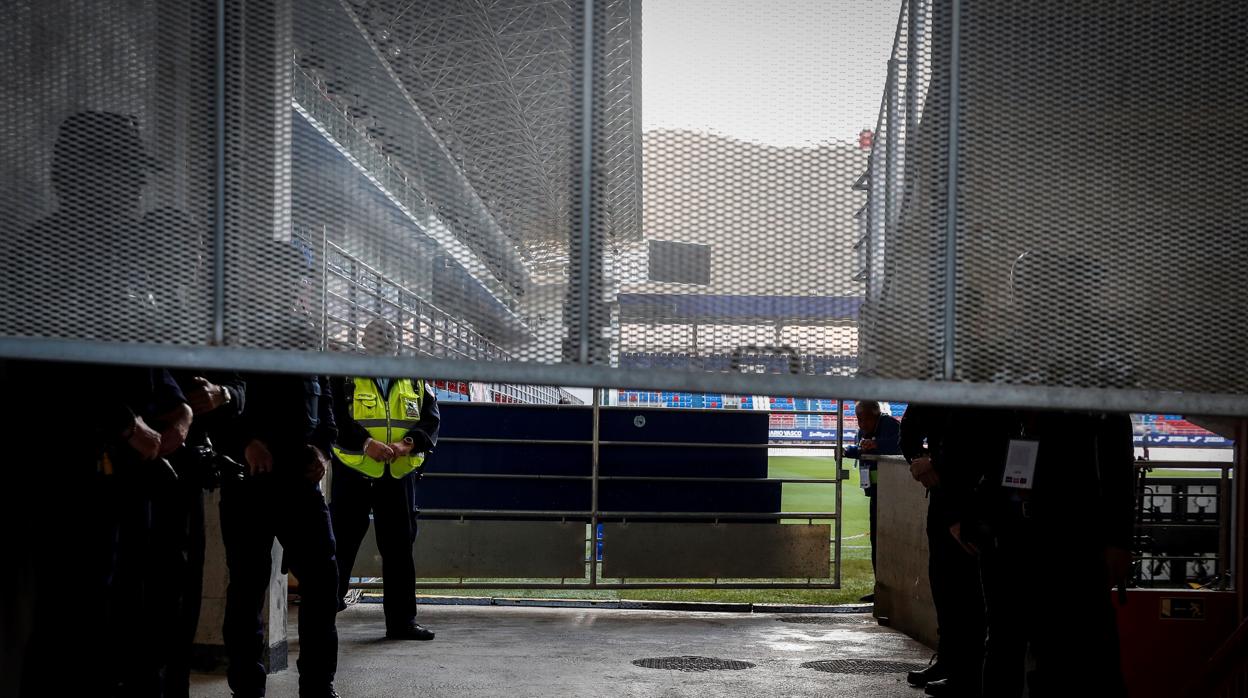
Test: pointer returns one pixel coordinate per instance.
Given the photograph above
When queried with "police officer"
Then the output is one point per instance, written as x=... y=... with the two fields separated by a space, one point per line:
x=67 y=509
x=217 y=399
x=89 y=479
x=877 y=435
x=1057 y=501
x=1056 y=497
x=957 y=440
x=286 y=434
x=386 y=428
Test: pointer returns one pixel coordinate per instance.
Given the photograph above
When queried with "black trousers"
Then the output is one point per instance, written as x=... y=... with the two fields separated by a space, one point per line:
x=293 y=511
x=68 y=562
x=392 y=503
x=959 y=600
x=135 y=646
x=1045 y=590
x=178 y=560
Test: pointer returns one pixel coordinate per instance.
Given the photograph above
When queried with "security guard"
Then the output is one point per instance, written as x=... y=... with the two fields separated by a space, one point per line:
x=1055 y=497
x=957 y=441
x=69 y=519
x=178 y=524
x=285 y=435
x=79 y=500
x=286 y=432
x=1056 y=500
x=387 y=428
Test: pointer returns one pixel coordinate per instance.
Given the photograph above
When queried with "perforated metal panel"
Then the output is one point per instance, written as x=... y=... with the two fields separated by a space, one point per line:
x=997 y=203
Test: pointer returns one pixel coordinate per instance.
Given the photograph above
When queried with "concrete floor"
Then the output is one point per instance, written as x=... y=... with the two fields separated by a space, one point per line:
x=494 y=651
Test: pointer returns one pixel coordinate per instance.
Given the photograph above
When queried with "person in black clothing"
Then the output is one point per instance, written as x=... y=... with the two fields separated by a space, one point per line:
x=877 y=435
x=177 y=560
x=75 y=274
x=1059 y=493
x=285 y=435
x=380 y=475
x=944 y=446
x=71 y=499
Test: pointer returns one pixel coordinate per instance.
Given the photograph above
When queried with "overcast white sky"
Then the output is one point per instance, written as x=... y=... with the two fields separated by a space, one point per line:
x=783 y=72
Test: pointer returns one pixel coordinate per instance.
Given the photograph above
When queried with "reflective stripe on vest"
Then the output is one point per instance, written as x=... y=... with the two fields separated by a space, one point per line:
x=387 y=419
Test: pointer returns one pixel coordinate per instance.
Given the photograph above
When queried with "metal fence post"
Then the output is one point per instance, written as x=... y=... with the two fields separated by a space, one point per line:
x=951 y=192
x=585 y=220
x=891 y=150
x=218 y=214
x=840 y=450
x=593 y=517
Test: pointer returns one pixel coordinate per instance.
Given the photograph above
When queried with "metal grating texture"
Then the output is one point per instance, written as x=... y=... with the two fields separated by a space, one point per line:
x=692 y=664
x=861 y=666
x=1035 y=223
x=107 y=147
x=997 y=203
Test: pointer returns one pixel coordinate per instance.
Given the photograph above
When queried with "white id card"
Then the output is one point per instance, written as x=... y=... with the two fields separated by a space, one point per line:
x=864 y=476
x=1020 y=465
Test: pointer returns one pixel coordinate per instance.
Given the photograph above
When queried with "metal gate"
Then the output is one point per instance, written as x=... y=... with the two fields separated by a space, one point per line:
x=598 y=547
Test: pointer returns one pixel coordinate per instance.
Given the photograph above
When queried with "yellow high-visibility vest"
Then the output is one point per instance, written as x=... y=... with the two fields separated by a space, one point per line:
x=387 y=421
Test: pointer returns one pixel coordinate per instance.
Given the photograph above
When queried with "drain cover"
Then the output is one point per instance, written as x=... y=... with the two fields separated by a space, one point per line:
x=825 y=620
x=861 y=666
x=692 y=664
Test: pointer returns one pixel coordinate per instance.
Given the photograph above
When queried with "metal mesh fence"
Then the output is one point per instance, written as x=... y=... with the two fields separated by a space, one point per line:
x=1006 y=203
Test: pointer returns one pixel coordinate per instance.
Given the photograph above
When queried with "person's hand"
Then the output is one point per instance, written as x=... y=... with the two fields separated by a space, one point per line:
x=144 y=440
x=259 y=459
x=868 y=444
x=1117 y=566
x=401 y=448
x=205 y=396
x=317 y=466
x=378 y=451
x=179 y=425
x=921 y=469
x=956 y=531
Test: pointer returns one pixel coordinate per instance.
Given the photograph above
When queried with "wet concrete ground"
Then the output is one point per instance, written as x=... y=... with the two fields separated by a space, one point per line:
x=498 y=651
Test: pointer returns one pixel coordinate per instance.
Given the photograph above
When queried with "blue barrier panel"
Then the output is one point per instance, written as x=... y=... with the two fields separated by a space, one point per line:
x=468 y=421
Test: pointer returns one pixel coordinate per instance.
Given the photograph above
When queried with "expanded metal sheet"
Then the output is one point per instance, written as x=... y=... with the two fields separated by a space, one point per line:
x=1095 y=160
x=855 y=198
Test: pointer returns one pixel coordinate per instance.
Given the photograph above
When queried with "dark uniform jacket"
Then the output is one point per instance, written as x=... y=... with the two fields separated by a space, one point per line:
x=1084 y=477
x=287 y=412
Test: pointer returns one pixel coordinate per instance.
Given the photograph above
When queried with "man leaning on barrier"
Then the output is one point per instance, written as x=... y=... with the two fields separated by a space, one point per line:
x=878 y=435
x=386 y=428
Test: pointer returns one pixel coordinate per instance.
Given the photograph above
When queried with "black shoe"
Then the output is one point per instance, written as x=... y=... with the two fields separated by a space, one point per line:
x=414 y=631
x=934 y=672
x=942 y=687
x=869 y=598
